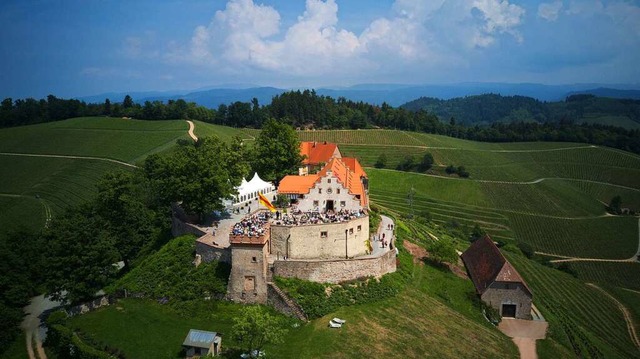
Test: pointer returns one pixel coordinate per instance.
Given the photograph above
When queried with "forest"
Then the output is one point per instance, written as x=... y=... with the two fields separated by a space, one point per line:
x=490 y=118
x=490 y=108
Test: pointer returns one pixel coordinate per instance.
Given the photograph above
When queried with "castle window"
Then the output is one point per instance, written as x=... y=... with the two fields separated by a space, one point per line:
x=350 y=230
x=254 y=259
x=316 y=203
x=329 y=180
x=323 y=234
x=343 y=203
x=359 y=228
x=249 y=283
x=319 y=190
x=329 y=190
x=338 y=191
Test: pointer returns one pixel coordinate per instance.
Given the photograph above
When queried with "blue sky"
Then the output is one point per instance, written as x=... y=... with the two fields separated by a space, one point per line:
x=84 y=47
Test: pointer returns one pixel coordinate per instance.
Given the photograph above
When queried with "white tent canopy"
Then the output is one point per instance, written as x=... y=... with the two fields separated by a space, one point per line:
x=248 y=191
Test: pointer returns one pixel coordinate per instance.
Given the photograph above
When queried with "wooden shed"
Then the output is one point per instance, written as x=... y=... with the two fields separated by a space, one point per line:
x=200 y=343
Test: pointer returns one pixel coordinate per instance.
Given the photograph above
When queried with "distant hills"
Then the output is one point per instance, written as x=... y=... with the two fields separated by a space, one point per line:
x=392 y=94
x=490 y=108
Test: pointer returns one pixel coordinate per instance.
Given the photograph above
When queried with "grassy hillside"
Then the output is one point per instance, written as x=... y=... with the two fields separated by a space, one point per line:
x=124 y=140
x=62 y=182
x=582 y=317
x=434 y=316
x=551 y=196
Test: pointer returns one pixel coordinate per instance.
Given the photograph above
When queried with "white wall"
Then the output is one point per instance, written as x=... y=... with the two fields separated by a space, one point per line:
x=327 y=190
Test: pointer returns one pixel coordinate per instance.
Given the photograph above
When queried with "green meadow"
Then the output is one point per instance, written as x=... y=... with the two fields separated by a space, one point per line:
x=434 y=316
x=550 y=196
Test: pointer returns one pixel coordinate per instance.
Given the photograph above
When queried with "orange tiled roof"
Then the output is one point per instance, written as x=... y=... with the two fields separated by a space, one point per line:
x=297 y=184
x=317 y=152
x=349 y=178
x=354 y=166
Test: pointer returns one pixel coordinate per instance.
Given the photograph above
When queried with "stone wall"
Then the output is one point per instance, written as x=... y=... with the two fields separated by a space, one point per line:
x=282 y=303
x=248 y=279
x=180 y=227
x=336 y=271
x=321 y=241
x=209 y=253
x=500 y=293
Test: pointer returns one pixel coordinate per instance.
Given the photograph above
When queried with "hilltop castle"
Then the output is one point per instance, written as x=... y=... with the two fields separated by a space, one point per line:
x=322 y=236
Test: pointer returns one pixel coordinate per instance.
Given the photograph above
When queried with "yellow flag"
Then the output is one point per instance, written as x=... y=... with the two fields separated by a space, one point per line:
x=265 y=202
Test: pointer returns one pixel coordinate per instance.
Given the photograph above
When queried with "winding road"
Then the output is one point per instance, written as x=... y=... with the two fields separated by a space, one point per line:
x=632 y=259
x=625 y=312
x=191 y=128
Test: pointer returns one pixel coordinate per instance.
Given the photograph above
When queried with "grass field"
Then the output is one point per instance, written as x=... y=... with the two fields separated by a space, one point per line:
x=581 y=317
x=36 y=185
x=203 y=129
x=444 y=323
x=624 y=275
x=124 y=140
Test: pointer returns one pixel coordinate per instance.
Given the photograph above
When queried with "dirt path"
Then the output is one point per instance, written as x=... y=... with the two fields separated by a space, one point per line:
x=191 y=128
x=524 y=334
x=31 y=324
x=70 y=157
x=625 y=312
x=464 y=149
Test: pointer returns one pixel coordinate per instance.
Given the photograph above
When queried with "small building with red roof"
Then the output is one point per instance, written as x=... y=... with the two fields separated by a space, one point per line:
x=316 y=155
x=496 y=281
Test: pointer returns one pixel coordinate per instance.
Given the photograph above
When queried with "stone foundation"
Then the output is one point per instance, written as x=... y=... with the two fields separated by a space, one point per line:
x=336 y=271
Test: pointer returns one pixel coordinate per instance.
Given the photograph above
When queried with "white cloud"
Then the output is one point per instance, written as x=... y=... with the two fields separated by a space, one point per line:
x=585 y=7
x=550 y=11
x=420 y=33
x=142 y=46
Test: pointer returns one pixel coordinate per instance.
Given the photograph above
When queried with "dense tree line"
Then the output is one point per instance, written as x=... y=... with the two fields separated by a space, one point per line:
x=31 y=111
x=490 y=108
x=520 y=118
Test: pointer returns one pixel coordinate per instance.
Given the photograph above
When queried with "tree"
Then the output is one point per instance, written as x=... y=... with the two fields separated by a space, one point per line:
x=462 y=172
x=426 y=163
x=477 y=232
x=255 y=327
x=443 y=251
x=615 y=205
x=200 y=175
x=107 y=107
x=382 y=161
x=80 y=255
x=122 y=204
x=127 y=102
x=451 y=169
x=407 y=164
x=277 y=151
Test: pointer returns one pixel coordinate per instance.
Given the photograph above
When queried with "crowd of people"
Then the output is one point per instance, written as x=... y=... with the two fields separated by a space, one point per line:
x=252 y=226
x=255 y=224
x=296 y=218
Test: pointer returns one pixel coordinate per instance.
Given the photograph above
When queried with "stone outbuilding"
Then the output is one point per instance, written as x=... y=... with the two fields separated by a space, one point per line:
x=200 y=343
x=496 y=281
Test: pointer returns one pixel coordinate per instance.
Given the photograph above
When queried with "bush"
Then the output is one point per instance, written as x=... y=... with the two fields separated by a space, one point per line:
x=526 y=249
x=451 y=169
x=381 y=162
